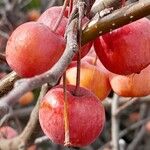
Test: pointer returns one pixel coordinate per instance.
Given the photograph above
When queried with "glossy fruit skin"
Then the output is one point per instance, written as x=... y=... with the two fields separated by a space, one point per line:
x=99 y=65
x=7 y=132
x=85 y=112
x=134 y=85
x=49 y=18
x=125 y=50
x=33 y=49
x=91 y=78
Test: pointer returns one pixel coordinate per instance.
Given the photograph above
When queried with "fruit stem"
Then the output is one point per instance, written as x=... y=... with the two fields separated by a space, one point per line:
x=61 y=15
x=95 y=61
x=66 y=119
x=70 y=7
x=78 y=73
x=81 y=15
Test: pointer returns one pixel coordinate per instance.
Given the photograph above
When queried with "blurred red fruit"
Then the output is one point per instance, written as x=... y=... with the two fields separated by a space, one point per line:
x=26 y=99
x=7 y=132
x=134 y=117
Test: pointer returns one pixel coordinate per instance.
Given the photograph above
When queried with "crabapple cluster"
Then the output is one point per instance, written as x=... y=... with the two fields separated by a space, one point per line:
x=34 y=47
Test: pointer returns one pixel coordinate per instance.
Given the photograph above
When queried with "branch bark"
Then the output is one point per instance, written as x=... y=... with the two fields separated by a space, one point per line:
x=126 y=105
x=115 y=20
x=102 y=4
x=115 y=123
x=6 y=84
x=20 y=141
x=134 y=126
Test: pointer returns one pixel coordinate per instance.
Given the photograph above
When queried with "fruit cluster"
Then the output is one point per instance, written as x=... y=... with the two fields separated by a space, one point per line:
x=35 y=47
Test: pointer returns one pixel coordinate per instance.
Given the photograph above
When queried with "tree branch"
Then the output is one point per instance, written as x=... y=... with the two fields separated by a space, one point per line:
x=25 y=135
x=126 y=105
x=115 y=20
x=102 y=4
x=20 y=141
x=134 y=126
x=115 y=123
x=137 y=139
x=51 y=76
x=6 y=83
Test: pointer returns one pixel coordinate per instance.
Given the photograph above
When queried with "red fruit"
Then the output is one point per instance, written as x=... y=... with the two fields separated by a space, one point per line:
x=49 y=18
x=134 y=117
x=85 y=113
x=7 y=132
x=135 y=85
x=91 y=77
x=33 y=15
x=33 y=49
x=147 y=126
x=98 y=64
x=26 y=99
x=125 y=50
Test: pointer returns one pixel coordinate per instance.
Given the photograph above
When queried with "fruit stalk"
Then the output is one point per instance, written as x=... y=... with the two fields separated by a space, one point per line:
x=81 y=15
x=95 y=61
x=66 y=119
x=61 y=15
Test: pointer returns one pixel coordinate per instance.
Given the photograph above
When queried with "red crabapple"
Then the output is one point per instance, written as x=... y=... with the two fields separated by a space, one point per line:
x=33 y=49
x=86 y=116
